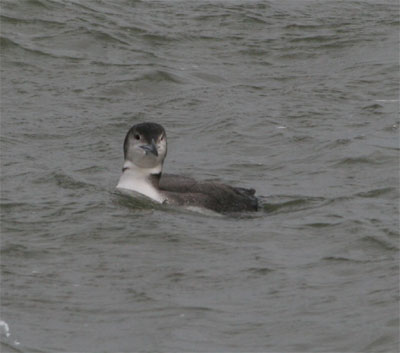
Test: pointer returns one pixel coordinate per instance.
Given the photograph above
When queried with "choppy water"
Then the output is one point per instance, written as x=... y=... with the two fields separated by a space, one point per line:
x=298 y=99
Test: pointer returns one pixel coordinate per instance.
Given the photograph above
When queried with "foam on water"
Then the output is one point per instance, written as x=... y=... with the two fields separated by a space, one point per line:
x=4 y=329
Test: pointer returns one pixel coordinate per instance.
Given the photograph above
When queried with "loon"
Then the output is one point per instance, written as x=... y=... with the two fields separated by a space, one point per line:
x=145 y=148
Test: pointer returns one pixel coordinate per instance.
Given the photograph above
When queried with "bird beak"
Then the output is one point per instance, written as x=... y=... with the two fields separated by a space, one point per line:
x=150 y=148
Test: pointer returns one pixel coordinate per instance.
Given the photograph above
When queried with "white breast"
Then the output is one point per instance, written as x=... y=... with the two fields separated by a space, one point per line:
x=131 y=180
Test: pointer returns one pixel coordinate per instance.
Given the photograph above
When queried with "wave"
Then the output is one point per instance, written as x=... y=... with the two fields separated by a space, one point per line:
x=377 y=192
x=63 y=180
x=258 y=271
x=297 y=204
x=374 y=158
x=375 y=241
x=342 y=259
x=8 y=44
x=159 y=76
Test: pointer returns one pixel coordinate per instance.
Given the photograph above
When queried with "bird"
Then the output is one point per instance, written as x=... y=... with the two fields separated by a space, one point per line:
x=145 y=149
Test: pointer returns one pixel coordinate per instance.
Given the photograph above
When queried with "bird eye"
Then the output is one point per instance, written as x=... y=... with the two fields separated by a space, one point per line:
x=137 y=137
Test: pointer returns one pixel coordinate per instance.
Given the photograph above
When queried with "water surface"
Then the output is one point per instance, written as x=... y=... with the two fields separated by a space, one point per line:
x=297 y=99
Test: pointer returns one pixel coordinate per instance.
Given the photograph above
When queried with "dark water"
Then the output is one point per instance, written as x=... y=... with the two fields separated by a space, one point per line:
x=298 y=99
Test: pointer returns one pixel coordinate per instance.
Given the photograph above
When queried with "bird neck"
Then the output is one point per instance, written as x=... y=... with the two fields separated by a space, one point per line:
x=143 y=180
x=141 y=172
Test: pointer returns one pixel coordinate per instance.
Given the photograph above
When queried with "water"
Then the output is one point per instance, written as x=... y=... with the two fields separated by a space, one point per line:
x=298 y=99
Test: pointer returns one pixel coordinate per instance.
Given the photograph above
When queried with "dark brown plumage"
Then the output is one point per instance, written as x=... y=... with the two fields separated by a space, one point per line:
x=185 y=191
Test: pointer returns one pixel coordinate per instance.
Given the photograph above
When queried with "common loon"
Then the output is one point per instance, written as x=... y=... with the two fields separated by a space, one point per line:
x=145 y=148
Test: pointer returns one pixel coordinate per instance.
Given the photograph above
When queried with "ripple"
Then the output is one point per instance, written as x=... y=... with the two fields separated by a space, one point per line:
x=375 y=241
x=23 y=251
x=159 y=76
x=339 y=143
x=297 y=204
x=35 y=21
x=258 y=271
x=320 y=225
x=342 y=259
x=377 y=192
x=316 y=38
x=372 y=107
x=210 y=77
x=158 y=38
x=375 y=158
x=213 y=74
x=138 y=296
x=384 y=340
x=64 y=181
x=7 y=43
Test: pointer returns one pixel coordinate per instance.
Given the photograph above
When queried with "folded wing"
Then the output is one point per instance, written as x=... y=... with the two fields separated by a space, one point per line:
x=185 y=191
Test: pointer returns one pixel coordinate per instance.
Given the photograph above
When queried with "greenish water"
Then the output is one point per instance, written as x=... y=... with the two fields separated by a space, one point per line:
x=297 y=99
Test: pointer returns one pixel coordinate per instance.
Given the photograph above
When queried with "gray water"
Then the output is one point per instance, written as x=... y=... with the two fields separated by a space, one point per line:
x=297 y=99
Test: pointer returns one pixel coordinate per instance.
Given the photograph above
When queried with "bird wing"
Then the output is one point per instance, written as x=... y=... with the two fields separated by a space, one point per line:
x=176 y=183
x=219 y=197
